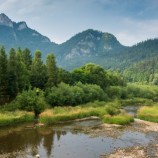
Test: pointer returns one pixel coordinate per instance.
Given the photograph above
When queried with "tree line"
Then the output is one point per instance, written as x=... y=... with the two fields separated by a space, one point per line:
x=19 y=72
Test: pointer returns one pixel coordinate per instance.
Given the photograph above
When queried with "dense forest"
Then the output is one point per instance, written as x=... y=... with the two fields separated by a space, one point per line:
x=22 y=75
x=145 y=72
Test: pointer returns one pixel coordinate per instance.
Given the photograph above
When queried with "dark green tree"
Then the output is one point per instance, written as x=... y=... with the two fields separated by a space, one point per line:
x=22 y=72
x=38 y=76
x=3 y=74
x=27 y=58
x=12 y=74
x=51 y=71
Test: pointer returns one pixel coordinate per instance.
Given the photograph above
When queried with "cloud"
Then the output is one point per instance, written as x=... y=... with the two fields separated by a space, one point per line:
x=25 y=6
x=134 y=31
x=130 y=20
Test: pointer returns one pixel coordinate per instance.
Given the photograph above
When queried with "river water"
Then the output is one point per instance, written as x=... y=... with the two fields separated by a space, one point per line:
x=65 y=141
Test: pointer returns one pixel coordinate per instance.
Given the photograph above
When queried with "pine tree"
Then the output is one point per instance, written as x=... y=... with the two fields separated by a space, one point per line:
x=38 y=76
x=3 y=75
x=51 y=70
x=12 y=74
x=27 y=58
x=22 y=72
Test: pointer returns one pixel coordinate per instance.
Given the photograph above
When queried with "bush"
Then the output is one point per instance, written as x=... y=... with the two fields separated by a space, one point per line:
x=114 y=92
x=65 y=94
x=142 y=91
x=112 y=110
x=31 y=100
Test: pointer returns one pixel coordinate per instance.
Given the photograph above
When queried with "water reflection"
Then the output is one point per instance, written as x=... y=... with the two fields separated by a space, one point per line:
x=62 y=141
x=28 y=140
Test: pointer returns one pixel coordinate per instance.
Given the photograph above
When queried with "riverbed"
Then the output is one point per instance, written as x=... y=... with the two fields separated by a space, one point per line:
x=88 y=139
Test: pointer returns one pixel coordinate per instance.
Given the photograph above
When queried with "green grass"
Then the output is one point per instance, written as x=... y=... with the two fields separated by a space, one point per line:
x=136 y=102
x=12 y=118
x=148 y=113
x=59 y=114
x=121 y=119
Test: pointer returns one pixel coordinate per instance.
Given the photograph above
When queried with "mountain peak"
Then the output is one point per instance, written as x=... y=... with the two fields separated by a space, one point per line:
x=4 y=20
x=22 y=25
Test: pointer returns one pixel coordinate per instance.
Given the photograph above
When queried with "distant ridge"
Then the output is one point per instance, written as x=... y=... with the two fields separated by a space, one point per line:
x=87 y=46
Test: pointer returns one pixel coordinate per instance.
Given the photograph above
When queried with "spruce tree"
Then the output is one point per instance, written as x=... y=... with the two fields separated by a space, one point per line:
x=51 y=70
x=38 y=76
x=27 y=58
x=12 y=74
x=22 y=72
x=3 y=75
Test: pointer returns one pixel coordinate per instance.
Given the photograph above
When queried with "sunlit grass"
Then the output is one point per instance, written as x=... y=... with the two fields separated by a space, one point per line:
x=11 y=118
x=121 y=119
x=59 y=114
x=148 y=113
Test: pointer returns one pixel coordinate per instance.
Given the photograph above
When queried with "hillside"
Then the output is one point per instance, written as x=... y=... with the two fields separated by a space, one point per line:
x=87 y=46
x=16 y=35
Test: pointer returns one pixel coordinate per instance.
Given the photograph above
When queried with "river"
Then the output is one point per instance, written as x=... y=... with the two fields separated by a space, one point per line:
x=87 y=139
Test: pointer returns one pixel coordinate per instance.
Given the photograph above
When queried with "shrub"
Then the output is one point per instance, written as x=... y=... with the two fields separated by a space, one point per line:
x=31 y=100
x=112 y=110
x=114 y=92
x=142 y=91
x=65 y=94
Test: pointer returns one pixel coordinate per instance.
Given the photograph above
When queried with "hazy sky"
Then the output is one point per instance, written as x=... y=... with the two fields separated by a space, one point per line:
x=131 y=21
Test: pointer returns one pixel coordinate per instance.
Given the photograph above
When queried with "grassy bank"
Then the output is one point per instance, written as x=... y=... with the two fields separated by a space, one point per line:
x=100 y=109
x=148 y=113
x=59 y=114
x=121 y=119
x=136 y=102
x=12 y=118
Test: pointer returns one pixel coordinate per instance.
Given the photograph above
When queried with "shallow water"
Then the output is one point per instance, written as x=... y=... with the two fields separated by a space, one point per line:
x=131 y=110
x=64 y=141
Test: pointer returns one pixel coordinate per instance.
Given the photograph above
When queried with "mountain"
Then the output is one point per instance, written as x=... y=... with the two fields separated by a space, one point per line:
x=87 y=46
x=16 y=35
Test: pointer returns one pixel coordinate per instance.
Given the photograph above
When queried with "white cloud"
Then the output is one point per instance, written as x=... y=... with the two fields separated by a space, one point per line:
x=134 y=31
x=59 y=19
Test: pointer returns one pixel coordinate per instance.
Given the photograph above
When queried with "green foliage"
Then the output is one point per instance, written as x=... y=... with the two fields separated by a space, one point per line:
x=95 y=74
x=136 y=101
x=121 y=119
x=12 y=74
x=69 y=113
x=3 y=75
x=31 y=100
x=38 y=77
x=145 y=71
x=133 y=91
x=51 y=71
x=65 y=94
x=111 y=110
x=27 y=58
x=23 y=78
x=12 y=118
x=148 y=113
x=142 y=91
